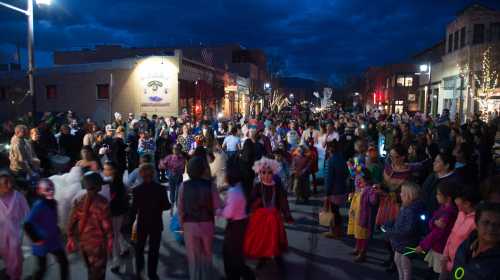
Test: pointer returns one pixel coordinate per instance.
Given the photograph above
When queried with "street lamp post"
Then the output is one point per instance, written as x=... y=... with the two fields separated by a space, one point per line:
x=426 y=69
x=31 y=41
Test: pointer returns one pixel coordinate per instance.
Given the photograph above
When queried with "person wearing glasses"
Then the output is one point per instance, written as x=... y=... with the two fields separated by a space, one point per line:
x=479 y=255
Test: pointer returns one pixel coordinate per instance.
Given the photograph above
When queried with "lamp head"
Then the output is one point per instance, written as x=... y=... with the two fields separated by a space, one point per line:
x=44 y=2
x=424 y=68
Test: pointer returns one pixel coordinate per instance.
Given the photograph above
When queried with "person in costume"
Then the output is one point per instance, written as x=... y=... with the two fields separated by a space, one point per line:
x=13 y=211
x=90 y=221
x=42 y=228
x=360 y=214
x=266 y=236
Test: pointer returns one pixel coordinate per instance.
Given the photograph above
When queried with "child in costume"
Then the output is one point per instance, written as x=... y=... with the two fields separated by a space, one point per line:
x=360 y=214
x=42 y=228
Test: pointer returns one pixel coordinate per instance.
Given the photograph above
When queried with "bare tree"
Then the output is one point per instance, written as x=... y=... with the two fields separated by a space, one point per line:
x=278 y=101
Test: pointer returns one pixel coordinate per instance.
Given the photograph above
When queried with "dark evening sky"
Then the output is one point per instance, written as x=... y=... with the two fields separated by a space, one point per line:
x=317 y=38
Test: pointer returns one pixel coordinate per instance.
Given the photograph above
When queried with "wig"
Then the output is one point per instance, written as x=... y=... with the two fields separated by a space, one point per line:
x=266 y=163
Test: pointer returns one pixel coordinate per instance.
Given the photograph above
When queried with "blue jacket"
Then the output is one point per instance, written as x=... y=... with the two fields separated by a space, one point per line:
x=405 y=231
x=41 y=224
x=336 y=175
x=485 y=266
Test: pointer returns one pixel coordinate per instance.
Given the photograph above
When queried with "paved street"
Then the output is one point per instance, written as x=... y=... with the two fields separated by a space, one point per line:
x=310 y=255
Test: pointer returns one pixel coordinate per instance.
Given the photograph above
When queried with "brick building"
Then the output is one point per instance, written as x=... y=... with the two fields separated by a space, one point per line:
x=392 y=87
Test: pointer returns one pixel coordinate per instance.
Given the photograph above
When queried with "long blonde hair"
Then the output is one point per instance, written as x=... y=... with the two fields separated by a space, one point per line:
x=413 y=190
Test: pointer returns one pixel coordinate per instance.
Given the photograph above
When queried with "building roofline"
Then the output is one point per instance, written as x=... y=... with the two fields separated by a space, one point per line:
x=166 y=47
x=443 y=41
x=474 y=4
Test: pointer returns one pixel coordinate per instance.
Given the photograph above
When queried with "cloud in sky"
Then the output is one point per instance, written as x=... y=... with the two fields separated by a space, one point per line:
x=319 y=39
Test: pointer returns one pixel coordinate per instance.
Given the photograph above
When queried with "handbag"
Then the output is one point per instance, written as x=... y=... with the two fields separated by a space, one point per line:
x=176 y=228
x=325 y=216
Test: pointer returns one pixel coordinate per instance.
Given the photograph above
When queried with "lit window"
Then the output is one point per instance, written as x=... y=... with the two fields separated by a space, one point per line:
x=51 y=92
x=103 y=91
x=398 y=106
x=400 y=81
x=408 y=82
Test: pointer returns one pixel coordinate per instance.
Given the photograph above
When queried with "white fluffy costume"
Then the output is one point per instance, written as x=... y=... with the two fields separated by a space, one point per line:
x=67 y=187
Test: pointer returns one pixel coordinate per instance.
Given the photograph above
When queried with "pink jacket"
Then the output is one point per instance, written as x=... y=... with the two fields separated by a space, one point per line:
x=464 y=225
x=437 y=237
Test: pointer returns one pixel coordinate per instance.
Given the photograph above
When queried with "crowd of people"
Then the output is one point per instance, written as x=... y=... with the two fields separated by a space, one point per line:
x=429 y=186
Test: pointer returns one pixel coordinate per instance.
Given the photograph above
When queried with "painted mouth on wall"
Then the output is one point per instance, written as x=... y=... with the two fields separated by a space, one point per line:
x=155 y=98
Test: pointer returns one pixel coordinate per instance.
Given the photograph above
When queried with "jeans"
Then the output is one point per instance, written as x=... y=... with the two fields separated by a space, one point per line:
x=232 y=157
x=174 y=181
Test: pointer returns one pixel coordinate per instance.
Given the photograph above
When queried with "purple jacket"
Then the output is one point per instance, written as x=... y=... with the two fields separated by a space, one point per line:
x=368 y=198
x=437 y=237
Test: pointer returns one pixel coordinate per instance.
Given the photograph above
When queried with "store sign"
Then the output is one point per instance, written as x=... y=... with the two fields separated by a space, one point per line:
x=158 y=79
x=230 y=88
x=412 y=97
x=155 y=88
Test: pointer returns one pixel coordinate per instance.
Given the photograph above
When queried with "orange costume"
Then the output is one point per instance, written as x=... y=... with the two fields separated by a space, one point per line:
x=95 y=232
